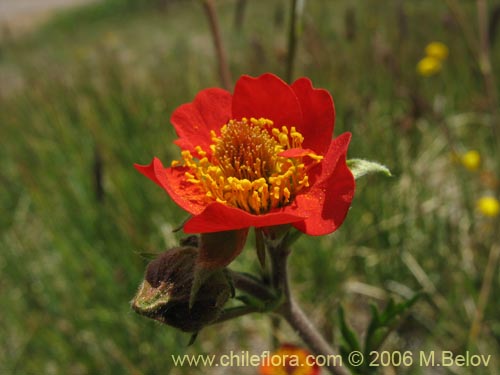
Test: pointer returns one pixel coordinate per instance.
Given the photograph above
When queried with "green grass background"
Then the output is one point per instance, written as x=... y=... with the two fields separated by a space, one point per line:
x=91 y=92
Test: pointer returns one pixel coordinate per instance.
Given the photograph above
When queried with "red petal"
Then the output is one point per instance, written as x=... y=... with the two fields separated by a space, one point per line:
x=327 y=206
x=321 y=171
x=219 y=217
x=328 y=200
x=266 y=96
x=210 y=109
x=318 y=112
x=296 y=152
x=173 y=181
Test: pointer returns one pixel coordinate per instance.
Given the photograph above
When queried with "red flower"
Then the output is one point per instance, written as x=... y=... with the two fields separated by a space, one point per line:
x=260 y=157
x=289 y=360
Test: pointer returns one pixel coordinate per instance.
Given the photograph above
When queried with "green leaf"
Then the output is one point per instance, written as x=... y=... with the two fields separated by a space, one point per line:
x=261 y=306
x=361 y=167
x=383 y=323
x=350 y=339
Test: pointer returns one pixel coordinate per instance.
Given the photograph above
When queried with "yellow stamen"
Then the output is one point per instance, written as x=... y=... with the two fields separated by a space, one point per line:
x=244 y=168
x=315 y=157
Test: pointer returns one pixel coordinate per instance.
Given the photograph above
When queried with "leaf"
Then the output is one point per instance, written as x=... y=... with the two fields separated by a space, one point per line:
x=361 y=167
x=383 y=323
x=348 y=334
x=253 y=302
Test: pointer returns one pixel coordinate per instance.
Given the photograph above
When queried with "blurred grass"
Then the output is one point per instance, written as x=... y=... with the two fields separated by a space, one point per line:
x=89 y=94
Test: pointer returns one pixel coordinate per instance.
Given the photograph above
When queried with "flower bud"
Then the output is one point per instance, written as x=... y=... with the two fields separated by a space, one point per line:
x=164 y=295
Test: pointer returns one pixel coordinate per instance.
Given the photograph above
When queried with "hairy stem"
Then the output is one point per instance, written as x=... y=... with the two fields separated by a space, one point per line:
x=288 y=309
x=299 y=321
x=294 y=315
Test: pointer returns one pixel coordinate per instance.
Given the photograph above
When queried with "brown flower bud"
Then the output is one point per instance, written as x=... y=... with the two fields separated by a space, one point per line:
x=164 y=295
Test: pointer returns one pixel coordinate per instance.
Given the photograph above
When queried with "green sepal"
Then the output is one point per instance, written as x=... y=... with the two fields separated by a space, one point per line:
x=275 y=234
x=291 y=236
x=200 y=276
x=260 y=246
x=260 y=305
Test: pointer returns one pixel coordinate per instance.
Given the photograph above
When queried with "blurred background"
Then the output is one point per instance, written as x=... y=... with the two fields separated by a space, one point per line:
x=87 y=90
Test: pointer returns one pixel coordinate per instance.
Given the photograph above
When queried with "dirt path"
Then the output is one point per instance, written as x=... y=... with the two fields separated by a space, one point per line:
x=17 y=16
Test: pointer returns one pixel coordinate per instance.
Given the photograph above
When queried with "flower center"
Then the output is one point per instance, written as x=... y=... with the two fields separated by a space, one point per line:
x=246 y=168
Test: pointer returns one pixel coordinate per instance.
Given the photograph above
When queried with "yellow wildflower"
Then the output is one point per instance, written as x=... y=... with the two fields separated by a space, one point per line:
x=471 y=160
x=488 y=206
x=437 y=50
x=428 y=66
